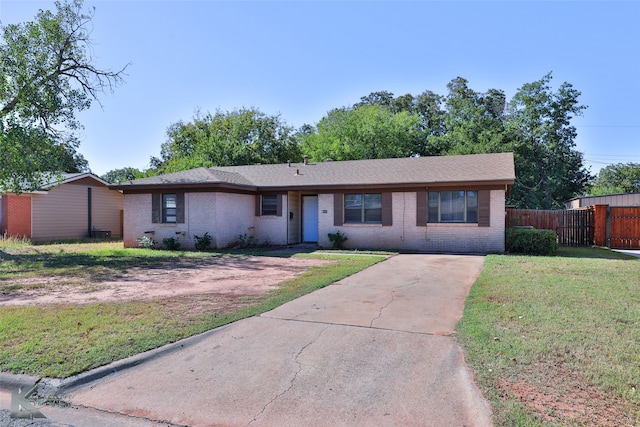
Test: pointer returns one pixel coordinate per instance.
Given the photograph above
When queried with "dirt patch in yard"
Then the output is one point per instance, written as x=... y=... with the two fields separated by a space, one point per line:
x=563 y=398
x=236 y=280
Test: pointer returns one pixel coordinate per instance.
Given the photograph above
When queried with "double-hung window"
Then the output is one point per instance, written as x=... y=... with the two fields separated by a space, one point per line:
x=363 y=208
x=169 y=208
x=269 y=205
x=453 y=206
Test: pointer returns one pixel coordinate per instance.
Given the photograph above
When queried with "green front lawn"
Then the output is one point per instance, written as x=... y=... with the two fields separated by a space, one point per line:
x=556 y=340
x=61 y=340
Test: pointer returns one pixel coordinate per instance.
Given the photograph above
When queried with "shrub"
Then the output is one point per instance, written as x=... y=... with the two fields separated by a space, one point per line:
x=202 y=243
x=530 y=241
x=337 y=239
x=171 y=243
x=245 y=241
x=146 y=242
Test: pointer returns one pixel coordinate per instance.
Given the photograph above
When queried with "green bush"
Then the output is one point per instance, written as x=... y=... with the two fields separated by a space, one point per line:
x=171 y=243
x=337 y=239
x=202 y=243
x=245 y=241
x=530 y=241
x=146 y=242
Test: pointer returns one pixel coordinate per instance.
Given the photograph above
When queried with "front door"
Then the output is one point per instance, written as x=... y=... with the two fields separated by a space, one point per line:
x=310 y=218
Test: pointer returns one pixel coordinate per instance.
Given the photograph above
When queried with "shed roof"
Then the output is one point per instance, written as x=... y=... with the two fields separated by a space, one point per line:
x=51 y=180
x=495 y=168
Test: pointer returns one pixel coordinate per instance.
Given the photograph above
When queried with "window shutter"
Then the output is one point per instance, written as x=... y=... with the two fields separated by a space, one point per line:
x=156 y=207
x=180 y=207
x=387 y=209
x=279 y=205
x=421 y=208
x=338 y=208
x=258 y=205
x=484 y=208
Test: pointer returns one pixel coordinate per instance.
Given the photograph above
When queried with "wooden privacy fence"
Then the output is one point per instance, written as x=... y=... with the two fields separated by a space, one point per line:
x=574 y=227
x=619 y=227
x=600 y=225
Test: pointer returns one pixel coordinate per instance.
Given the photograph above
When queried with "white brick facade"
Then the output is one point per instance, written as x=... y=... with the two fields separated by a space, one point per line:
x=404 y=234
x=226 y=216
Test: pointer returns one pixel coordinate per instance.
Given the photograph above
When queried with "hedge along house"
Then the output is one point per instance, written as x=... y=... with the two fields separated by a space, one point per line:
x=79 y=206
x=431 y=204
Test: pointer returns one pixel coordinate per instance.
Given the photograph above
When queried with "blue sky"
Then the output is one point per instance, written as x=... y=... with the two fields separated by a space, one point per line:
x=301 y=59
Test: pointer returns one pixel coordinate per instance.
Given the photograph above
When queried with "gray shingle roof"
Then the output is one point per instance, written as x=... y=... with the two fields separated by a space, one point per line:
x=193 y=176
x=485 y=168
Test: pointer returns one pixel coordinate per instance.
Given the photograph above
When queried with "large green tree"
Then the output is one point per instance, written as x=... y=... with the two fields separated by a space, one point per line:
x=535 y=125
x=549 y=169
x=239 y=137
x=427 y=106
x=473 y=121
x=365 y=131
x=47 y=75
x=618 y=178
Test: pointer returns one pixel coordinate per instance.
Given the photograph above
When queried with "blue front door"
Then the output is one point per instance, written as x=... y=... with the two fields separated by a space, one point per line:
x=310 y=218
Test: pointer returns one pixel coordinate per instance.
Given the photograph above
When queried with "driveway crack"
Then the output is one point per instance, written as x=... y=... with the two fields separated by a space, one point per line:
x=293 y=379
x=118 y=413
x=393 y=295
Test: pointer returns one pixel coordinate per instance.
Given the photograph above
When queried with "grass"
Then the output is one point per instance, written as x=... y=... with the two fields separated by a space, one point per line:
x=567 y=326
x=61 y=340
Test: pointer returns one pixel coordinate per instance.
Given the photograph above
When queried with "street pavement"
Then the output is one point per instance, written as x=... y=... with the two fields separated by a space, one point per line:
x=375 y=349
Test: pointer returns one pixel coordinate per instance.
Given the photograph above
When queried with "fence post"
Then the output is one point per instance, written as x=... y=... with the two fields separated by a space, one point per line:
x=600 y=225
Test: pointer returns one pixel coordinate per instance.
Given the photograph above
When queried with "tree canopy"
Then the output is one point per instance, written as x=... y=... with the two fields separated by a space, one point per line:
x=368 y=131
x=535 y=125
x=231 y=138
x=549 y=170
x=117 y=176
x=618 y=178
x=47 y=75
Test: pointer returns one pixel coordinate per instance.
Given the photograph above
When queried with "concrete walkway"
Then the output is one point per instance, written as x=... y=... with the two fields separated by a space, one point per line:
x=632 y=252
x=373 y=349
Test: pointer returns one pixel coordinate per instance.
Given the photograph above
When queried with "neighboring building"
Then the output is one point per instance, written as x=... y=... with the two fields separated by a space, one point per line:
x=618 y=200
x=431 y=204
x=80 y=205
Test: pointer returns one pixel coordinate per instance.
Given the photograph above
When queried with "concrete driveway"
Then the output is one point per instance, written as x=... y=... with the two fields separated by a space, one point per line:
x=373 y=349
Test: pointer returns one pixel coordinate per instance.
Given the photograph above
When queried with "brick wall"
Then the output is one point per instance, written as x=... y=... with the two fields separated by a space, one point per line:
x=137 y=219
x=16 y=218
x=234 y=217
x=272 y=230
x=224 y=216
x=405 y=235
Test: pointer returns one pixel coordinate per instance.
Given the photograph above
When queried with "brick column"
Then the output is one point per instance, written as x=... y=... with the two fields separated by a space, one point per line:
x=600 y=225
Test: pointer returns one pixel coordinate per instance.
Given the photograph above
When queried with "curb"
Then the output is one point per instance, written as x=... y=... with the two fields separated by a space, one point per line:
x=10 y=382
x=50 y=387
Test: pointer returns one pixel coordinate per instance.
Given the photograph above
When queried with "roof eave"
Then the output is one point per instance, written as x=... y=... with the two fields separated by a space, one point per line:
x=76 y=178
x=146 y=188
